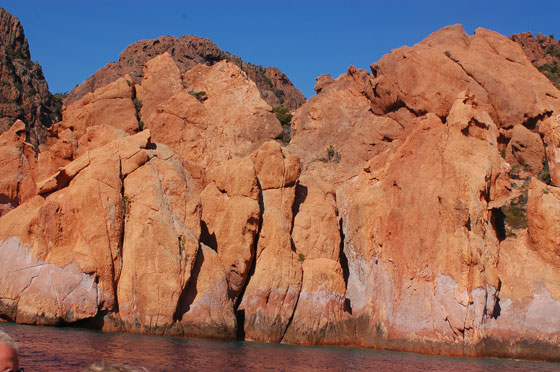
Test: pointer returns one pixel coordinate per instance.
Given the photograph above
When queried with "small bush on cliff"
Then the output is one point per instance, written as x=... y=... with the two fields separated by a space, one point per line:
x=332 y=154
x=544 y=174
x=200 y=95
x=516 y=213
x=285 y=117
x=137 y=107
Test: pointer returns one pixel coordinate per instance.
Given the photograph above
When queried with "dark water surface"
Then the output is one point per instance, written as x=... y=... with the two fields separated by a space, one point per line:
x=47 y=349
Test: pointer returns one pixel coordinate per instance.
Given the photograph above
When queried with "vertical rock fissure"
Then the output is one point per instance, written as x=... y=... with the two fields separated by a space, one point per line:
x=294 y=310
x=240 y=314
x=123 y=207
x=189 y=292
x=342 y=256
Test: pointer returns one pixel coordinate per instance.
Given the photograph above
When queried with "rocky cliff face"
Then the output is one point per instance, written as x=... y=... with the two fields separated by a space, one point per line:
x=188 y=51
x=416 y=207
x=24 y=93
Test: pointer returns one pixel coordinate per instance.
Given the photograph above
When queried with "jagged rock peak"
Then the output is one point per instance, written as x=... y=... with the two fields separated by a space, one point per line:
x=12 y=35
x=187 y=51
x=24 y=93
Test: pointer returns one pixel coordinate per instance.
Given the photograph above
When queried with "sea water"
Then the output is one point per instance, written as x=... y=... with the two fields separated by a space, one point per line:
x=48 y=349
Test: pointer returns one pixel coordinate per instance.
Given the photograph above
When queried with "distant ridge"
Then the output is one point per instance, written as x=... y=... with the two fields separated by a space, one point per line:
x=24 y=93
x=543 y=51
x=187 y=51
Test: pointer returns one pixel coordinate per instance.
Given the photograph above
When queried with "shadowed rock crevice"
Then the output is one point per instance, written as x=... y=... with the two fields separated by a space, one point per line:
x=206 y=238
x=189 y=292
x=289 y=323
x=531 y=122
x=240 y=313
x=497 y=219
x=343 y=259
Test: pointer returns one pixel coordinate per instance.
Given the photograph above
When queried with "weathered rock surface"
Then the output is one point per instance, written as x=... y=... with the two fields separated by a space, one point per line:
x=525 y=147
x=18 y=166
x=346 y=134
x=404 y=289
x=415 y=209
x=231 y=215
x=488 y=64
x=272 y=292
x=207 y=308
x=160 y=243
x=35 y=292
x=24 y=93
x=231 y=121
x=188 y=51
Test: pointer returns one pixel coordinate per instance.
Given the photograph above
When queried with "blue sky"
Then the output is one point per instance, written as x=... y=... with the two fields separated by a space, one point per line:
x=72 y=39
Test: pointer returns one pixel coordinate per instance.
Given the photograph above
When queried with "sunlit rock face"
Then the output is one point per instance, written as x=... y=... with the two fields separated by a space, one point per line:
x=416 y=207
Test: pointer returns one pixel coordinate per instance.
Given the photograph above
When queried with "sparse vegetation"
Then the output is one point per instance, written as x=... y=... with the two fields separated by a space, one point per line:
x=125 y=204
x=285 y=117
x=138 y=108
x=447 y=54
x=553 y=52
x=301 y=257
x=182 y=243
x=199 y=95
x=552 y=72
x=15 y=54
x=544 y=174
x=56 y=114
x=332 y=154
x=279 y=93
x=516 y=212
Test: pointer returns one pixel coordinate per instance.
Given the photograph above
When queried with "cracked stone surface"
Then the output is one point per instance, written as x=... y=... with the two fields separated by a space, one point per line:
x=384 y=224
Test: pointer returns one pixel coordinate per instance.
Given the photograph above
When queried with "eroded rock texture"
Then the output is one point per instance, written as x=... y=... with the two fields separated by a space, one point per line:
x=416 y=207
x=187 y=52
x=24 y=93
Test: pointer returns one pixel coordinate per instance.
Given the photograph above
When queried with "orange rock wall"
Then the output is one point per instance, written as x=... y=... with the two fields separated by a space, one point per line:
x=416 y=207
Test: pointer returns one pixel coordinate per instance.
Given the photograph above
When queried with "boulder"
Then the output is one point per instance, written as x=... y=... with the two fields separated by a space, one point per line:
x=35 y=292
x=525 y=147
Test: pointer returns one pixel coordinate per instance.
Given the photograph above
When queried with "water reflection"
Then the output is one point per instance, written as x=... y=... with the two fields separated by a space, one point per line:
x=49 y=349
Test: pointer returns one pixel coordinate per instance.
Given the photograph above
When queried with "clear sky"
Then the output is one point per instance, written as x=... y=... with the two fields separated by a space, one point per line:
x=72 y=39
